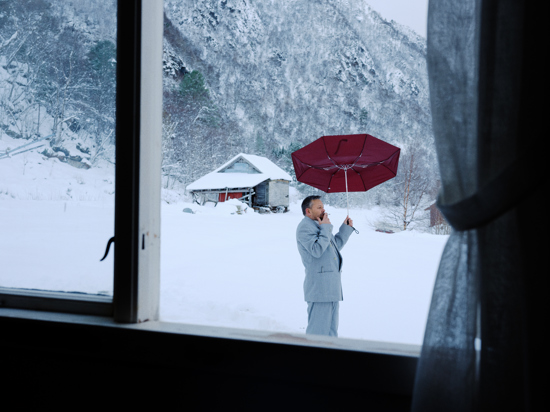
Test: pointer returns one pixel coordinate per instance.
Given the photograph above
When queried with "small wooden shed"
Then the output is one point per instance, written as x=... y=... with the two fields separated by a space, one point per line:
x=436 y=217
x=252 y=179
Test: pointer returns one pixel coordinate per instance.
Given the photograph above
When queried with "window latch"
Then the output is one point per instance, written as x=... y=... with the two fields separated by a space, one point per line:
x=111 y=240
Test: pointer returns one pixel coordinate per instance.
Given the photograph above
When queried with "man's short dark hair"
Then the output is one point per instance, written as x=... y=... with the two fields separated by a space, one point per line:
x=307 y=203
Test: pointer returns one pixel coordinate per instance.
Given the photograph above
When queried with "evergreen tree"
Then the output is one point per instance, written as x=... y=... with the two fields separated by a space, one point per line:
x=192 y=87
x=102 y=58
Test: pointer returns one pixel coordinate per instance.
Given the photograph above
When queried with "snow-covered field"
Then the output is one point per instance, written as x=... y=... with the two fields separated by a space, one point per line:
x=218 y=267
x=222 y=268
x=55 y=221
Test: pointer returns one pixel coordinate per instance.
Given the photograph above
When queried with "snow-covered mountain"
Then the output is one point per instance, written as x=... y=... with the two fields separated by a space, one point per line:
x=271 y=76
x=294 y=70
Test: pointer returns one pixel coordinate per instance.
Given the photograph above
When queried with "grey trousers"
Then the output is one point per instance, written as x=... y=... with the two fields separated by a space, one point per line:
x=322 y=318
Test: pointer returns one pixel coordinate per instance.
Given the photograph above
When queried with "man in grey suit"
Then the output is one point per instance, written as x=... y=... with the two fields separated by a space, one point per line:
x=320 y=252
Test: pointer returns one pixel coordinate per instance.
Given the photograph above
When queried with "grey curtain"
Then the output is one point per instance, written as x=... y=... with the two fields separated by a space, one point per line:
x=482 y=346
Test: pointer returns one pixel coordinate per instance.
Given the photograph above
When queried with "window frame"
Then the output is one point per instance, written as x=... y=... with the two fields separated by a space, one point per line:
x=136 y=294
x=138 y=128
x=127 y=336
x=136 y=290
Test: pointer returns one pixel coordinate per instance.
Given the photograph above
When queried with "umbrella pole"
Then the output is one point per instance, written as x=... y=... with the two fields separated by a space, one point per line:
x=347 y=199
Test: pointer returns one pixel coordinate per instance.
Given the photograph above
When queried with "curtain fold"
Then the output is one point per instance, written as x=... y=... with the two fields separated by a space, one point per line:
x=479 y=348
x=447 y=370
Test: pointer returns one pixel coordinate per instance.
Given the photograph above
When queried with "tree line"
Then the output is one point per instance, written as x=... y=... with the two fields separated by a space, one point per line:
x=57 y=81
x=54 y=79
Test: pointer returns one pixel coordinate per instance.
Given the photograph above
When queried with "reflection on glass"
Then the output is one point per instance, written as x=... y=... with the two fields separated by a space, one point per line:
x=57 y=121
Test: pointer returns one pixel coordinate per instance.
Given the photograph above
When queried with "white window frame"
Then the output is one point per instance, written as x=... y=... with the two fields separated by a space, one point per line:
x=137 y=188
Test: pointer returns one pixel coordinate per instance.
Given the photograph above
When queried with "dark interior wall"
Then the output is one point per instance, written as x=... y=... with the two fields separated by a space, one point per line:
x=53 y=359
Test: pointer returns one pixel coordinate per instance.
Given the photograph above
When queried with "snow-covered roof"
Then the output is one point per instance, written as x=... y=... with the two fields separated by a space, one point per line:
x=263 y=169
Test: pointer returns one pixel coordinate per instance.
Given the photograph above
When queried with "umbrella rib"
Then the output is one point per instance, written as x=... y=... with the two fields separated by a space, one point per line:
x=361 y=178
x=378 y=163
x=347 y=166
x=309 y=166
x=320 y=167
x=301 y=174
x=326 y=150
x=360 y=154
x=393 y=155
x=330 y=181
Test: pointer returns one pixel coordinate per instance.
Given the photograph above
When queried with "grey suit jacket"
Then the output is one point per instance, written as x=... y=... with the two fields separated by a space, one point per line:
x=320 y=252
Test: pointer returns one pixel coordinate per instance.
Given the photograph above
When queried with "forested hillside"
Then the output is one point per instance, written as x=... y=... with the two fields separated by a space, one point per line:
x=259 y=77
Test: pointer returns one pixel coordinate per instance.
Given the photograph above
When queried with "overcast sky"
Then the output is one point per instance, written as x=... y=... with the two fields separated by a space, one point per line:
x=412 y=13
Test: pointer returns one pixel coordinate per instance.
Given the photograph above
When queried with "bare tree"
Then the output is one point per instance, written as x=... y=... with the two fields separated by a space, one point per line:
x=413 y=188
x=197 y=135
x=52 y=75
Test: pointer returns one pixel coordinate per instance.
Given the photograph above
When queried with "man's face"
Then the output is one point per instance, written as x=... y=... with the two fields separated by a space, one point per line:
x=316 y=210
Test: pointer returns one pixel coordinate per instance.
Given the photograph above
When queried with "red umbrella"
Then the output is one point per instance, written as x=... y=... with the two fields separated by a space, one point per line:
x=350 y=163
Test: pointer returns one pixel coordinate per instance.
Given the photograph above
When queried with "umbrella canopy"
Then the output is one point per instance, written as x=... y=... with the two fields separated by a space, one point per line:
x=346 y=163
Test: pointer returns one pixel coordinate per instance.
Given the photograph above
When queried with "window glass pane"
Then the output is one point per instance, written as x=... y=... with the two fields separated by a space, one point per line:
x=245 y=85
x=57 y=146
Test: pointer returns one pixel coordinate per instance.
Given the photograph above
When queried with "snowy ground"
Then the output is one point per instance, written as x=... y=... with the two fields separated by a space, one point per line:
x=245 y=271
x=55 y=221
x=217 y=267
